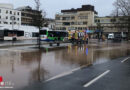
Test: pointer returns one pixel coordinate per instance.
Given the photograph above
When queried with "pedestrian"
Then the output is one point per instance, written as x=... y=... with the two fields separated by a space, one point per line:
x=86 y=38
x=72 y=39
x=76 y=36
x=69 y=36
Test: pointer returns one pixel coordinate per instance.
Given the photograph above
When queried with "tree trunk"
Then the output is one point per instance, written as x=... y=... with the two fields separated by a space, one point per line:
x=39 y=40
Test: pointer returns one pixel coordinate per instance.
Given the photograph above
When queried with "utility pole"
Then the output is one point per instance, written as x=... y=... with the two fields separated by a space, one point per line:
x=12 y=18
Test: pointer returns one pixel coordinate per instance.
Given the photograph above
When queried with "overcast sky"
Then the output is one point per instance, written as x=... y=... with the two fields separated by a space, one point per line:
x=103 y=7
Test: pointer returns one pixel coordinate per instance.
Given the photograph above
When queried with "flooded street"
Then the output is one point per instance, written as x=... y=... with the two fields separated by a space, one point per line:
x=24 y=67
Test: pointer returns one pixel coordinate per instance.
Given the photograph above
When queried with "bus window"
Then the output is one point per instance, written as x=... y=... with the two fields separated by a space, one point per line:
x=20 y=33
x=43 y=32
x=34 y=34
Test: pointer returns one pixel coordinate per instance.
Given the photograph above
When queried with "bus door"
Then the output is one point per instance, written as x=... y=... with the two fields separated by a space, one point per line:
x=43 y=35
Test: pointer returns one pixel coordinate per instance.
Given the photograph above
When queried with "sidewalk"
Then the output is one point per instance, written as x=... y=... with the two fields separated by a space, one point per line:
x=22 y=43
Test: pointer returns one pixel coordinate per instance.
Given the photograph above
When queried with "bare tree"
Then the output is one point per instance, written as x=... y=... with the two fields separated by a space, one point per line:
x=38 y=4
x=122 y=14
x=122 y=7
x=38 y=19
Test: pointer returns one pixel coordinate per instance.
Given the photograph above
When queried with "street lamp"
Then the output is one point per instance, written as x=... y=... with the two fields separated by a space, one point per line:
x=12 y=18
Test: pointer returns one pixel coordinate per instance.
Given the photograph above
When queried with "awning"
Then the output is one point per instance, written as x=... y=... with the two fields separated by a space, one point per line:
x=89 y=31
x=97 y=31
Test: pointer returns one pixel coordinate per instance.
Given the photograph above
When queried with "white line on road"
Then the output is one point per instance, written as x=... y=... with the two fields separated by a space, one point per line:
x=94 y=80
x=58 y=76
x=125 y=60
x=11 y=50
x=63 y=74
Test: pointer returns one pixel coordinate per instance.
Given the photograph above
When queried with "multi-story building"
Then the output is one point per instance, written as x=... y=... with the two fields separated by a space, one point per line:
x=9 y=16
x=111 y=24
x=76 y=19
x=50 y=23
x=27 y=14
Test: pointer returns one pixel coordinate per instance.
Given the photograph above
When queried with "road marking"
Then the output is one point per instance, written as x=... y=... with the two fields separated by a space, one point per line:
x=58 y=76
x=125 y=60
x=11 y=50
x=63 y=74
x=94 y=80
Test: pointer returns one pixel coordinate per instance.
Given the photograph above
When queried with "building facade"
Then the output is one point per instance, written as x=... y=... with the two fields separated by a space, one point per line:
x=9 y=16
x=75 y=19
x=27 y=14
x=50 y=23
x=111 y=24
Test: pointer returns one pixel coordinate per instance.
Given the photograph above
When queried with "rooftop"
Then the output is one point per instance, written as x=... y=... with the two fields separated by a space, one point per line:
x=83 y=8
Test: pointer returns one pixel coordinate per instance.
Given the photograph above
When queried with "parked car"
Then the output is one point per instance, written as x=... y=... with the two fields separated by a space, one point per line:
x=110 y=36
x=117 y=38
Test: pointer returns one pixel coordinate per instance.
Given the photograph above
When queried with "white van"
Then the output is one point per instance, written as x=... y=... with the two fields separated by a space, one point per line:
x=111 y=36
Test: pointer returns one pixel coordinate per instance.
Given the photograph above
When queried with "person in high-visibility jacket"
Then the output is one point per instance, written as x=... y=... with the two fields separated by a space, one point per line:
x=76 y=36
x=69 y=35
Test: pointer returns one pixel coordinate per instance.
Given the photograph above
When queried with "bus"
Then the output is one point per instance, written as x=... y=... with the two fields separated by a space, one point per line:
x=53 y=35
x=6 y=34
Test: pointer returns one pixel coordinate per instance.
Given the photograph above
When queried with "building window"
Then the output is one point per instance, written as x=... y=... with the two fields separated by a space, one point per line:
x=96 y=21
x=14 y=13
x=72 y=23
x=0 y=22
x=0 y=17
x=58 y=23
x=5 y=22
x=10 y=12
x=85 y=23
x=83 y=17
x=18 y=19
x=0 y=10
x=57 y=18
x=72 y=17
x=80 y=23
x=6 y=11
x=18 y=13
x=6 y=17
x=66 y=23
x=80 y=28
x=113 y=20
x=10 y=22
x=66 y=18
x=12 y=18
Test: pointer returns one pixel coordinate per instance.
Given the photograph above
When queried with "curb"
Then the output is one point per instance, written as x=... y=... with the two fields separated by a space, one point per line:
x=5 y=46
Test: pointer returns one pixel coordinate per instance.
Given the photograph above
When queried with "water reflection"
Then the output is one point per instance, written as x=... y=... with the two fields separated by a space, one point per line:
x=37 y=74
x=23 y=68
x=80 y=55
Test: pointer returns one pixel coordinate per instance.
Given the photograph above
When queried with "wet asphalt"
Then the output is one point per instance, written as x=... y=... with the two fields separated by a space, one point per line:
x=57 y=68
x=117 y=79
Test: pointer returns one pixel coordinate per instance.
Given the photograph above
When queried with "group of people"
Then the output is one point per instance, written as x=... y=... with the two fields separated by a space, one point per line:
x=78 y=37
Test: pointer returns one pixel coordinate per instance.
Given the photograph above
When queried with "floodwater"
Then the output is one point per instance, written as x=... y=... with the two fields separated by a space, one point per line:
x=24 y=67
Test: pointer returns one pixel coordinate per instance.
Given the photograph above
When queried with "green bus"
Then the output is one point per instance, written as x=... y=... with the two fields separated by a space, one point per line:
x=53 y=35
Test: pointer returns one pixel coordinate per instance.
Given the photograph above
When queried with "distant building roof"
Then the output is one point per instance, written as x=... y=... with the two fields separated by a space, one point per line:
x=6 y=5
x=24 y=7
x=83 y=8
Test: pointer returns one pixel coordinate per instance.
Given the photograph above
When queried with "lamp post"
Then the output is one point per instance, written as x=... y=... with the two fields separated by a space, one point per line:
x=12 y=18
